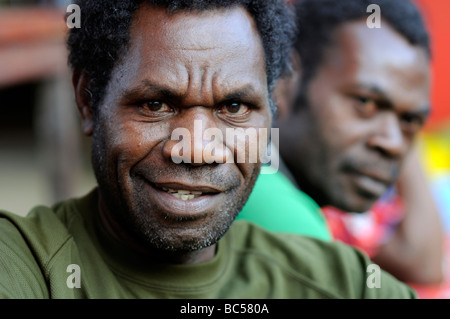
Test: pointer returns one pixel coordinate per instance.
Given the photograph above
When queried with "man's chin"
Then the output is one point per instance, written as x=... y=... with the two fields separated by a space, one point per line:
x=165 y=233
x=348 y=200
x=357 y=204
x=184 y=241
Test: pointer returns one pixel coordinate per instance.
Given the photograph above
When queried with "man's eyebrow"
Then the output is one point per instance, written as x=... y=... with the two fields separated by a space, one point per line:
x=373 y=89
x=162 y=91
x=146 y=87
x=384 y=98
x=424 y=113
x=241 y=93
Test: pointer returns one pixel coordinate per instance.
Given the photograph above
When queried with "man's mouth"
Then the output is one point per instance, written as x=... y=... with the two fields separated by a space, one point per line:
x=371 y=182
x=182 y=193
x=184 y=199
x=185 y=191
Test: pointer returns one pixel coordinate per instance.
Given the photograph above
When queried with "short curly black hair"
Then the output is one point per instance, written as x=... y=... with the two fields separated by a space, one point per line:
x=318 y=19
x=95 y=47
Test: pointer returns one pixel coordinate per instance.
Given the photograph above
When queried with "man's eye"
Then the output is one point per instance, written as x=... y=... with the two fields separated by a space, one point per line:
x=235 y=108
x=412 y=124
x=367 y=107
x=156 y=106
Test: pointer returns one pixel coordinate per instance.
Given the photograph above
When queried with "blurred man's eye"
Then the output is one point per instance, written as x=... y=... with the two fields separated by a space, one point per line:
x=365 y=106
x=412 y=123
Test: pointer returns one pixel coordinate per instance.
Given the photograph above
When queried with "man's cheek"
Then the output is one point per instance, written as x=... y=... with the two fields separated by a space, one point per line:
x=137 y=140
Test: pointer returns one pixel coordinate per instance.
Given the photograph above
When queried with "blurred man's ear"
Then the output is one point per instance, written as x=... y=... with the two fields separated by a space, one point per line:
x=83 y=99
x=287 y=88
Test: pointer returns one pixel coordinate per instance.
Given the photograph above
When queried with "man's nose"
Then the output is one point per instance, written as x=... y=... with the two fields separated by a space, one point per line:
x=389 y=138
x=196 y=140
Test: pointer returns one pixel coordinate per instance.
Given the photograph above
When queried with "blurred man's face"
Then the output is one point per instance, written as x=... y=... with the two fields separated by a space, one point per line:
x=366 y=102
x=205 y=68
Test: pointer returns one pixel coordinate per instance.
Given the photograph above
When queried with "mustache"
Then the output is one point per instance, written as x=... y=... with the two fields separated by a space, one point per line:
x=389 y=169
x=220 y=176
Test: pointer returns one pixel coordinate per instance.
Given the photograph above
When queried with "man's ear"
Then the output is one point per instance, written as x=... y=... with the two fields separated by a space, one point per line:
x=83 y=100
x=286 y=91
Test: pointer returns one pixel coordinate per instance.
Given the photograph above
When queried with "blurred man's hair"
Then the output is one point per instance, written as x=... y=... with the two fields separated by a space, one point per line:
x=318 y=19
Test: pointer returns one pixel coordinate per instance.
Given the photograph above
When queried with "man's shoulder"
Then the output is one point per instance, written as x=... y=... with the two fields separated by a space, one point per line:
x=50 y=222
x=41 y=224
x=250 y=236
x=305 y=254
x=44 y=230
x=32 y=246
x=329 y=269
x=27 y=245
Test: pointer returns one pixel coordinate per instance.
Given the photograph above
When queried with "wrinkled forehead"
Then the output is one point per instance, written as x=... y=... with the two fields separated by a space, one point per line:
x=170 y=30
x=213 y=49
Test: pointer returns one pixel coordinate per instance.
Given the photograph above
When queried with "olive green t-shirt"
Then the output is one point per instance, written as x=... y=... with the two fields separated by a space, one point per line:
x=63 y=252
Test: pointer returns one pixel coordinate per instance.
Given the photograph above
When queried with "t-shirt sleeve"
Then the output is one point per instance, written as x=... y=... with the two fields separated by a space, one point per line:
x=385 y=286
x=345 y=272
x=377 y=283
x=20 y=274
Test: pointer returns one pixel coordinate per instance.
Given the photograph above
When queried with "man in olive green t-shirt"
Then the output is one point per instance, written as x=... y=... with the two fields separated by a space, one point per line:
x=154 y=81
x=65 y=252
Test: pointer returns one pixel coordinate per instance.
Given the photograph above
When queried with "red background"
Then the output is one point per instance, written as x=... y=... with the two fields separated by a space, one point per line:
x=437 y=17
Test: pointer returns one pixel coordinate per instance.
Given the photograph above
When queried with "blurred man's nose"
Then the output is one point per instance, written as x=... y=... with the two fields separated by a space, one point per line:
x=196 y=139
x=388 y=137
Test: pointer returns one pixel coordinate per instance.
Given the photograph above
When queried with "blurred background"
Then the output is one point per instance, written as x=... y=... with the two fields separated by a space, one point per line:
x=44 y=157
x=435 y=140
